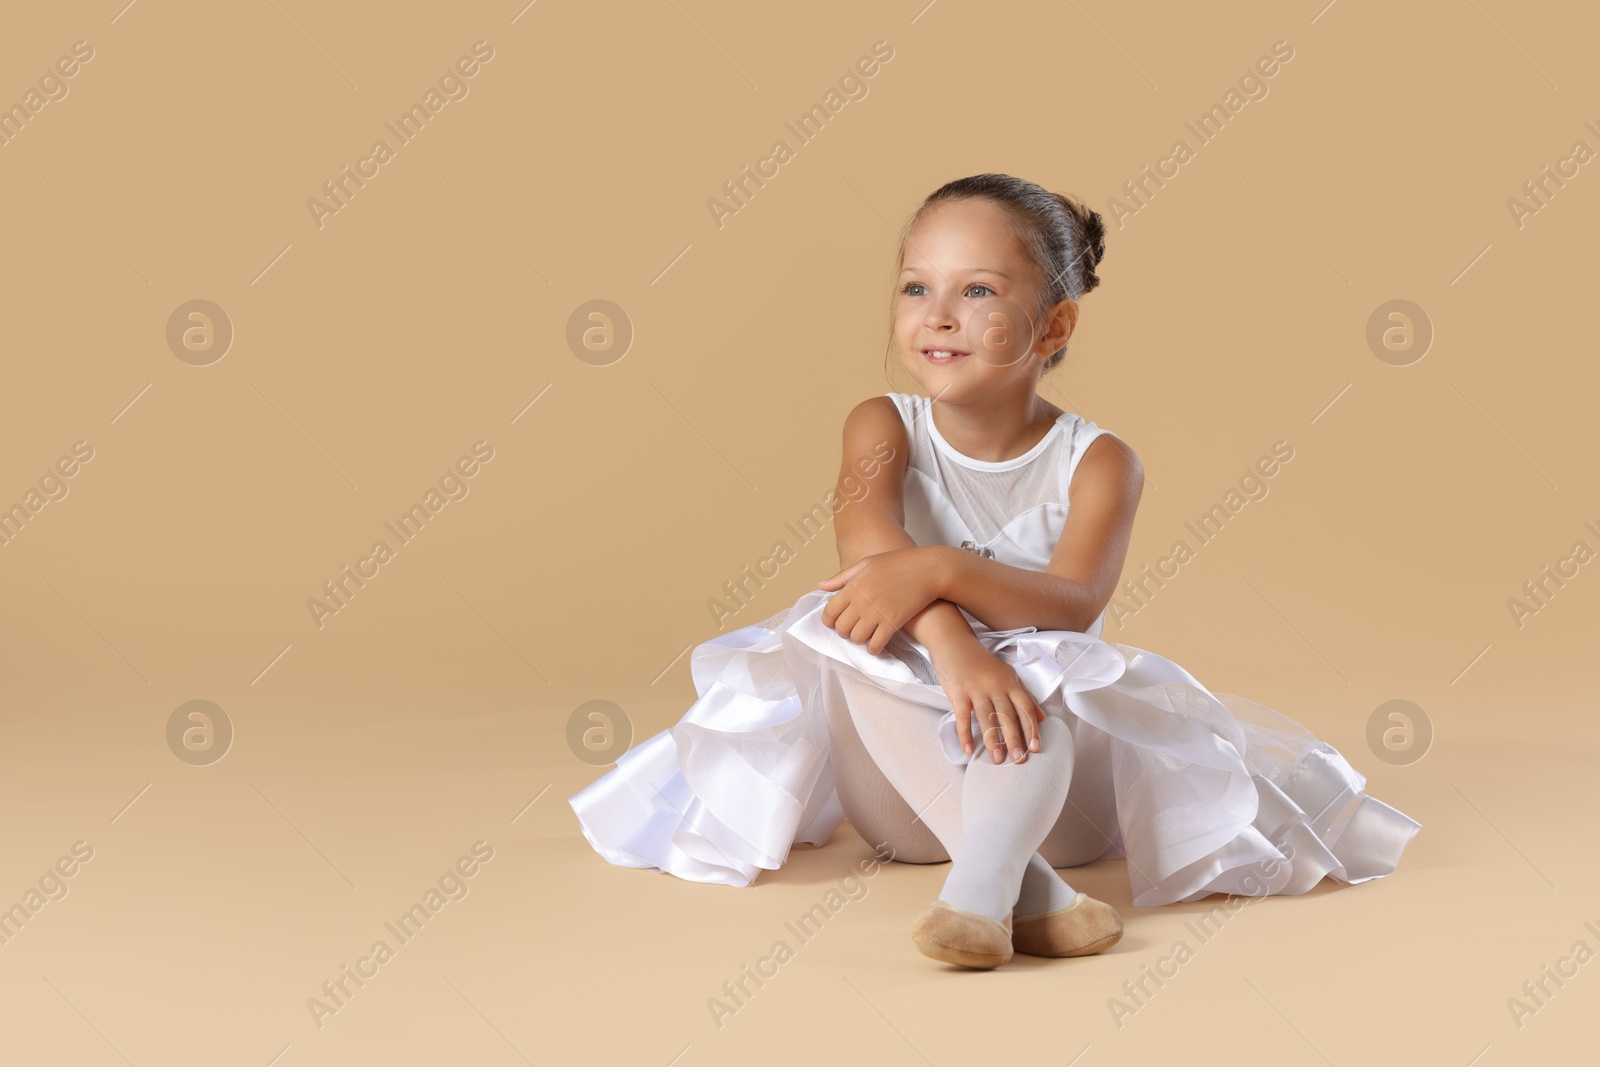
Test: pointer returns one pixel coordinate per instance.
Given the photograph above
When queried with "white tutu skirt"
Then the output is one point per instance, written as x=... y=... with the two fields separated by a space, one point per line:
x=1214 y=793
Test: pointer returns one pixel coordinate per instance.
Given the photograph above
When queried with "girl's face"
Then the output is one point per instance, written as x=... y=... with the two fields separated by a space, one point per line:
x=969 y=289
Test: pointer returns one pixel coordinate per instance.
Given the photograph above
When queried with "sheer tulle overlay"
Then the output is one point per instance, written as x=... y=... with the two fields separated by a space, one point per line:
x=1214 y=793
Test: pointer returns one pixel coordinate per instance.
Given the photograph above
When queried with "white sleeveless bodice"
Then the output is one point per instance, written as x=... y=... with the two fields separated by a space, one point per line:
x=1011 y=511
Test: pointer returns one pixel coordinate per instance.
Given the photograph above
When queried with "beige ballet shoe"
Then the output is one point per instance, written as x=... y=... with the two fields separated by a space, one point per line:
x=949 y=934
x=1082 y=928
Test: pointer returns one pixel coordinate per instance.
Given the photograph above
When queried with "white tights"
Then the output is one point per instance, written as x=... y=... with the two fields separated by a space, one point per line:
x=1004 y=825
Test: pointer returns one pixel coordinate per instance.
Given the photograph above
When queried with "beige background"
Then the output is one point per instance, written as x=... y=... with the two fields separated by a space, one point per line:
x=433 y=309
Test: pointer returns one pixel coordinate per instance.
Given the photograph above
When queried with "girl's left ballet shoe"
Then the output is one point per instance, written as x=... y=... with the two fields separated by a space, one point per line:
x=1082 y=928
x=961 y=937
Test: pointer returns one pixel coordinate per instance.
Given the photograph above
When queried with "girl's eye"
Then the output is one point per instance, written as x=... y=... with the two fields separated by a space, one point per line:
x=908 y=286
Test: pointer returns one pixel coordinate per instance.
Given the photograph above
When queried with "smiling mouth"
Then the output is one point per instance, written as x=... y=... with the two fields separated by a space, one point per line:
x=942 y=356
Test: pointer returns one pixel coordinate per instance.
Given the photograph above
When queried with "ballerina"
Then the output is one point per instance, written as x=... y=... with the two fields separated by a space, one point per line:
x=984 y=534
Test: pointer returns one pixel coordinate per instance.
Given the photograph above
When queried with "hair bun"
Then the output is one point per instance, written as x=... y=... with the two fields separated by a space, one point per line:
x=1092 y=234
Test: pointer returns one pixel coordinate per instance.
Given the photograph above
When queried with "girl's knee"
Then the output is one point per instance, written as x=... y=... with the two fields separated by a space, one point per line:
x=897 y=835
x=1055 y=734
x=1076 y=840
x=914 y=849
x=1075 y=851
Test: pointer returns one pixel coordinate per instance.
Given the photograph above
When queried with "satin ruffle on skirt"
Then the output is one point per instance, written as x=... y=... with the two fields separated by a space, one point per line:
x=1214 y=793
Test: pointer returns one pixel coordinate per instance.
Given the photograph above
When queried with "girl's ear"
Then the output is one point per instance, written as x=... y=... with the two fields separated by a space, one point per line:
x=1061 y=320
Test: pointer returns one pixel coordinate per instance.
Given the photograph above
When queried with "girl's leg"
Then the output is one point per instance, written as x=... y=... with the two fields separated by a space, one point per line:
x=1088 y=823
x=899 y=737
x=878 y=812
x=1006 y=811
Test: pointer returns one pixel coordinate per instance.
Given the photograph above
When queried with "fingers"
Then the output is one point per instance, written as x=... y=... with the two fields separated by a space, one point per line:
x=1011 y=728
x=848 y=618
x=1003 y=734
x=840 y=577
x=843 y=621
x=993 y=733
x=964 y=727
x=852 y=625
x=1031 y=718
x=1029 y=725
x=1006 y=713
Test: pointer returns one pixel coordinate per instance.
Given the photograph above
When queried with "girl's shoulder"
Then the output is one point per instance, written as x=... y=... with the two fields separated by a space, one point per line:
x=877 y=426
x=1102 y=462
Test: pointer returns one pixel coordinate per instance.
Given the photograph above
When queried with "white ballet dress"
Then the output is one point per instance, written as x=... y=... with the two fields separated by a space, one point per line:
x=1214 y=793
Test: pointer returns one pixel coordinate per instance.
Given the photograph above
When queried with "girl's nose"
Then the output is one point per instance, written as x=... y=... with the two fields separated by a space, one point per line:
x=941 y=314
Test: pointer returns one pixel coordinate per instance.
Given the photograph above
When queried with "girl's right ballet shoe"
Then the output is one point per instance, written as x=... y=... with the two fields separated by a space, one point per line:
x=961 y=937
x=1082 y=928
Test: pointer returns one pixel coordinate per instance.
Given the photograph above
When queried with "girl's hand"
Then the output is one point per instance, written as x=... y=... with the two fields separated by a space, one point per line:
x=880 y=593
x=981 y=684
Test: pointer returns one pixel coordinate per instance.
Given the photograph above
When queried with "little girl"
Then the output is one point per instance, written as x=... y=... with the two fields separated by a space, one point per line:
x=976 y=570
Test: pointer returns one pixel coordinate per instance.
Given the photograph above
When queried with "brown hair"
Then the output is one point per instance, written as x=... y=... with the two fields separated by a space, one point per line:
x=1065 y=239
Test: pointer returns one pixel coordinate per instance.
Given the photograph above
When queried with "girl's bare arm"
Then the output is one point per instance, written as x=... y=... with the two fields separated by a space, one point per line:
x=871 y=478
x=1082 y=574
